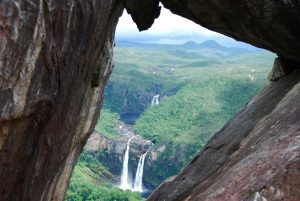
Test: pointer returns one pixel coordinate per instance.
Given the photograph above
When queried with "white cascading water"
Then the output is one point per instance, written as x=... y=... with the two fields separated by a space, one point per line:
x=155 y=100
x=125 y=184
x=138 y=181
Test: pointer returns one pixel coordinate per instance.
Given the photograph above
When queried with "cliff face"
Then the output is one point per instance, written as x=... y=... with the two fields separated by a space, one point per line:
x=56 y=57
x=111 y=152
x=256 y=155
x=270 y=24
x=162 y=161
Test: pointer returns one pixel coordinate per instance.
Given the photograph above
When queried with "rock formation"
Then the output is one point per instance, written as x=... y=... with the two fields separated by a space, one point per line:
x=56 y=56
x=269 y=24
x=257 y=153
x=163 y=160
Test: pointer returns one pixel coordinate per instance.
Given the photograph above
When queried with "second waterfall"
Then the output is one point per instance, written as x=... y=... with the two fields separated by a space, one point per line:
x=138 y=181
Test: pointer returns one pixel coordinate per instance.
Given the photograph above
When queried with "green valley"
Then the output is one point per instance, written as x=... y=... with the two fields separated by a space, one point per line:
x=91 y=181
x=200 y=87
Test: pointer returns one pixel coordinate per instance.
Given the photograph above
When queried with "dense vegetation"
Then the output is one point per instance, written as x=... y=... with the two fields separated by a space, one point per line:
x=144 y=70
x=89 y=183
x=201 y=87
x=197 y=111
x=107 y=124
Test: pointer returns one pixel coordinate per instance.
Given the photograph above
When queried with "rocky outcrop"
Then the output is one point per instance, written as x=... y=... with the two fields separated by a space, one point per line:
x=56 y=57
x=269 y=24
x=110 y=152
x=162 y=161
x=98 y=142
x=256 y=154
x=143 y=12
x=281 y=68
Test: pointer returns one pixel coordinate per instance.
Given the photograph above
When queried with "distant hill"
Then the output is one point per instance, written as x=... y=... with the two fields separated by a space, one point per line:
x=200 y=87
x=210 y=44
x=191 y=45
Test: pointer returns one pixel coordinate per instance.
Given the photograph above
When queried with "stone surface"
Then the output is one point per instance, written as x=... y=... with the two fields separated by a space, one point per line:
x=98 y=142
x=256 y=155
x=269 y=24
x=56 y=57
x=281 y=68
x=143 y=12
x=164 y=156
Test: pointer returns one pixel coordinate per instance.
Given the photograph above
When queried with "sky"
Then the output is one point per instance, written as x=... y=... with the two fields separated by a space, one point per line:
x=170 y=29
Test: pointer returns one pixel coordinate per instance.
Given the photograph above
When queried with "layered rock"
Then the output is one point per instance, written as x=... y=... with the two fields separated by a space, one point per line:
x=163 y=160
x=98 y=142
x=56 y=57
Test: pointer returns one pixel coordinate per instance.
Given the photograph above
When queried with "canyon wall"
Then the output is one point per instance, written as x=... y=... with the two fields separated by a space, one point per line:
x=56 y=56
x=163 y=160
x=256 y=156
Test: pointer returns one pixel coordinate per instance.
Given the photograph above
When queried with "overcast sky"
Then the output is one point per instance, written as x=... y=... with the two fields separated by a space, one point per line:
x=171 y=29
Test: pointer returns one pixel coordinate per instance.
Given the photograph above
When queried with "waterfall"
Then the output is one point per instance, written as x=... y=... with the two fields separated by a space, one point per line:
x=138 y=181
x=155 y=100
x=125 y=184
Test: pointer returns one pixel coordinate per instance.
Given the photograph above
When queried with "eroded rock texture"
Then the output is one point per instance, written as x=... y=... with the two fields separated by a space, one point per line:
x=56 y=57
x=256 y=154
x=270 y=24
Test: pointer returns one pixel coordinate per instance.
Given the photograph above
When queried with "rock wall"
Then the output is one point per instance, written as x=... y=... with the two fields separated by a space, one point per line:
x=256 y=156
x=162 y=161
x=269 y=24
x=56 y=57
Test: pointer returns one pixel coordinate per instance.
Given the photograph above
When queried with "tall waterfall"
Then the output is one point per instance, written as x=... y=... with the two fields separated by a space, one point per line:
x=125 y=184
x=155 y=100
x=138 y=181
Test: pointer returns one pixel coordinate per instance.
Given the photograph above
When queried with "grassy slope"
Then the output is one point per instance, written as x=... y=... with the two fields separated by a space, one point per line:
x=142 y=69
x=196 y=112
x=211 y=86
x=89 y=183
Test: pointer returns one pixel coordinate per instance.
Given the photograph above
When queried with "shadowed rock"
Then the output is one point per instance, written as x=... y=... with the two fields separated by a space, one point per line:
x=269 y=24
x=254 y=155
x=281 y=68
x=48 y=103
x=143 y=12
x=56 y=57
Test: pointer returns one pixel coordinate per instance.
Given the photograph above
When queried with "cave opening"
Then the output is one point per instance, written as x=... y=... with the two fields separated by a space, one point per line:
x=172 y=88
x=55 y=61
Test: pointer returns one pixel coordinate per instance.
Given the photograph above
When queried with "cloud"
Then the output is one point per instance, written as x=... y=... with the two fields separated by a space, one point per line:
x=170 y=29
x=166 y=24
